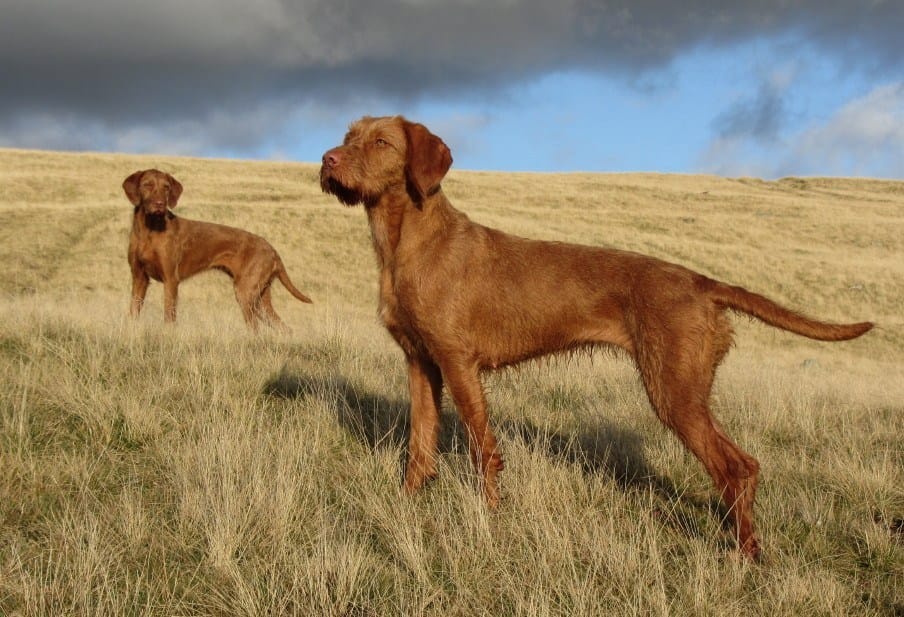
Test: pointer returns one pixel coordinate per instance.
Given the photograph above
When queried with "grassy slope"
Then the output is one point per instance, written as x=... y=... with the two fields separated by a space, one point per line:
x=200 y=470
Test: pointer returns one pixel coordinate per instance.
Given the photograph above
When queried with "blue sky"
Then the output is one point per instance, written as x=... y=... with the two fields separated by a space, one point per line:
x=674 y=120
x=757 y=89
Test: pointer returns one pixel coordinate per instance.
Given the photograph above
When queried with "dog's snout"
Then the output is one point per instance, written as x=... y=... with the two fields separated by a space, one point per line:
x=332 y=158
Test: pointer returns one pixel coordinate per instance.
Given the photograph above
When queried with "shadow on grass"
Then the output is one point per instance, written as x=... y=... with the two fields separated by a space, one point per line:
x=373 y=419
x=604 y=449
x=609 y=449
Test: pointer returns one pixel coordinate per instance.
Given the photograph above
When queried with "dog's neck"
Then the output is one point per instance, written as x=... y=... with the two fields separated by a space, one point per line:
x=152 y=222
x=385 y=216
x=388 y=215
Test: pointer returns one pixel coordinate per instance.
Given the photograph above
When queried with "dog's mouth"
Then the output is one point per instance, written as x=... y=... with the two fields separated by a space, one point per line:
x=330 y=184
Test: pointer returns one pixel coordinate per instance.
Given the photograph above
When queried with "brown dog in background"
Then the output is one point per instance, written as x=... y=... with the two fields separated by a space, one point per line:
x=460 y=298
x=167 y=248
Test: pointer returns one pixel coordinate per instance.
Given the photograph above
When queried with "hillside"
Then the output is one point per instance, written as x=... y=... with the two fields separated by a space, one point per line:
x=202 y=470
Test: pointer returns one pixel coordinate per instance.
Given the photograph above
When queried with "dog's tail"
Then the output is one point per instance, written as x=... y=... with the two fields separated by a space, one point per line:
x=287 y=283
x=772 y=313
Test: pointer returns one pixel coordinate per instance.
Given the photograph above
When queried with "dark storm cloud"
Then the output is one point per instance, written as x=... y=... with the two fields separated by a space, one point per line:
x=760 y=116
x=120 y=63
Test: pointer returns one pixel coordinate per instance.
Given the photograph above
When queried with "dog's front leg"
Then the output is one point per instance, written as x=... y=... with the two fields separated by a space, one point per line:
x=140 y=282
x=425 y=384
x=170 y=295
x=463 y=380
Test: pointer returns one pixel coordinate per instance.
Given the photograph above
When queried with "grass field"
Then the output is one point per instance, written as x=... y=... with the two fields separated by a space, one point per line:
x=201 y=470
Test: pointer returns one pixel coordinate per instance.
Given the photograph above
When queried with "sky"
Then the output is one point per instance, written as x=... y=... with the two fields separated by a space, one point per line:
x=759 y=88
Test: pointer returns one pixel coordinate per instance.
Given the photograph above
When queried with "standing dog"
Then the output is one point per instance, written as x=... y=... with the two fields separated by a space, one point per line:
x=460 y=298
x=170 y=249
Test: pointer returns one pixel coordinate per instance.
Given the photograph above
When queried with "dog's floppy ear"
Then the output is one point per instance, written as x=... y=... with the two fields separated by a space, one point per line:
x=175 y=190
x=428 y=160
x=130 y=186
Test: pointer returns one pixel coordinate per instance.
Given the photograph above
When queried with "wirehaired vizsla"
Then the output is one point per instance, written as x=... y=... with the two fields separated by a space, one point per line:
x=460 y=298
x=168 y=248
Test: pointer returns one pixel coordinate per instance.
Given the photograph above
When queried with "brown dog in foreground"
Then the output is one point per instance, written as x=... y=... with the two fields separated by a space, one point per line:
x=167 y=248
x=460 y=298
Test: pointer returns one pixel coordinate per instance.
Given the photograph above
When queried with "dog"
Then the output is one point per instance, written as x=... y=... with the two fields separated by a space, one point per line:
x=460 y=298
x=169 y=249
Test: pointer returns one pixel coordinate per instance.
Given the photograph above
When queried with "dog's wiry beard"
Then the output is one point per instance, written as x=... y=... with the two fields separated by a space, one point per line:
x=347 y=196
x=156 y=221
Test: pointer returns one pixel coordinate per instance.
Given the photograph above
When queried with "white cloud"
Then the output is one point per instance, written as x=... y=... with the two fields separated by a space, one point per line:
x=865 y=137
x=735 y=156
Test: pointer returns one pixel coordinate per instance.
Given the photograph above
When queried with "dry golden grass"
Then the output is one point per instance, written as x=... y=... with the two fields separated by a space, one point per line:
x=199 y=470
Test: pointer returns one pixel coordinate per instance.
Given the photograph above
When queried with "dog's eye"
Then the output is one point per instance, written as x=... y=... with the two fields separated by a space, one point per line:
x=381 y=142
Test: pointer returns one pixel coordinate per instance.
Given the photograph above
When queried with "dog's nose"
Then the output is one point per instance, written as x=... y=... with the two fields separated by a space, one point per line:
x=331 y=158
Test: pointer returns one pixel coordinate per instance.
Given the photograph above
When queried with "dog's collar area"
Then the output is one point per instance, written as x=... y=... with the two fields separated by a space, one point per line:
x=156 y=221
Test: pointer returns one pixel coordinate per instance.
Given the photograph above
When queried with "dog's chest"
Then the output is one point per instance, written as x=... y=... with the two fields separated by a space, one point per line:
x=148 y=255
x=396 y=318
x=150 y=263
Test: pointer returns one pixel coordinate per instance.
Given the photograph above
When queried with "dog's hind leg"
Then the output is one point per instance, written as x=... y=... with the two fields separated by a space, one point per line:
x=249 y=301
x=677 y=365
x=267 y=312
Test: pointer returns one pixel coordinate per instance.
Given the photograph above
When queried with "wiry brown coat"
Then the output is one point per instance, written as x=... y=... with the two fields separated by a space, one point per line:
x=460 y=298
x=168 y=248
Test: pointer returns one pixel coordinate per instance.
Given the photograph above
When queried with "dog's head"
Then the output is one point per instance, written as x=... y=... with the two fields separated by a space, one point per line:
x=380 y=154
x=152 y=190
